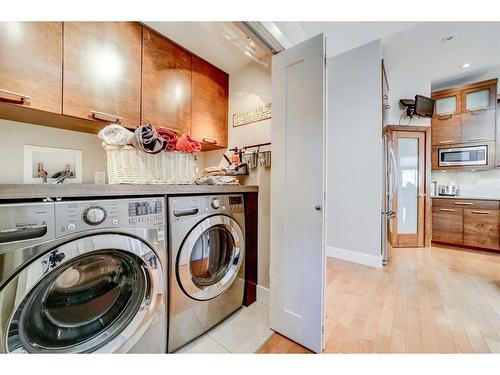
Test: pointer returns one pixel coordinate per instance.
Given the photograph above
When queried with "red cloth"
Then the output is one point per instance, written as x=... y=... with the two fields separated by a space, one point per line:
x=170 y=137
x=185 y=143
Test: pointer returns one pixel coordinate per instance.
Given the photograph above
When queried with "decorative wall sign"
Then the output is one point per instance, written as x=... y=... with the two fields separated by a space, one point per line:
x=249 y=116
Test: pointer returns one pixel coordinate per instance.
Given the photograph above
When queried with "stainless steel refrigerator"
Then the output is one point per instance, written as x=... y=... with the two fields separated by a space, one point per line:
x=389 y=180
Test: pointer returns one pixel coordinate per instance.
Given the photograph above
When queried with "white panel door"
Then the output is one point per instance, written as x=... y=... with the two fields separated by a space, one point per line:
x=297 y=269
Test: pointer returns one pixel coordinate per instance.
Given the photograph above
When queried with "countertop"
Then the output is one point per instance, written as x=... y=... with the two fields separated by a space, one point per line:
x=34 y=191
x=478 y=198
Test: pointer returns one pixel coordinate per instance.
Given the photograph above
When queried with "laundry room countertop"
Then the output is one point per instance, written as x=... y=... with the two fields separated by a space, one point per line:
x=35 y=191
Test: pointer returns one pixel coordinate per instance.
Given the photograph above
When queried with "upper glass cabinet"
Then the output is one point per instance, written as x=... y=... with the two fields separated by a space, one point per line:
x=446 y=106
x=477 y=100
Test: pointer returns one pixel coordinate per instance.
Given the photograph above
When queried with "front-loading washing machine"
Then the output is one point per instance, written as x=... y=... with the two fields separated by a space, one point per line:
x=83 y=276
x=207 y=263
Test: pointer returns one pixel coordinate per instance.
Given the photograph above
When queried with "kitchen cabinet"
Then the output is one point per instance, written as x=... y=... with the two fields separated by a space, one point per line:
x=466 y=222
x=478 y=126
x=446 y=130
x=465 y=114
x=210 y=88
x=31 y=64
x=166 y=83
x=480 y=96
x=481 y=228
x=102 y=71
x=447 y=224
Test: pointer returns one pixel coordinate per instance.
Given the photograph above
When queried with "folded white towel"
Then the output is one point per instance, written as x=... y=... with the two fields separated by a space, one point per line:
x=217 y=180
x=116 y=135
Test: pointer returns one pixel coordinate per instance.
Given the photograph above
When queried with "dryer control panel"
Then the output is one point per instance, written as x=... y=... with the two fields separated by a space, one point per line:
x=188 y=207
x=79 y=216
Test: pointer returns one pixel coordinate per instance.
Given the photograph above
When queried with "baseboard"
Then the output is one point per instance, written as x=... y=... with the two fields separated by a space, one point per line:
x=353 y=256
x=263 y=295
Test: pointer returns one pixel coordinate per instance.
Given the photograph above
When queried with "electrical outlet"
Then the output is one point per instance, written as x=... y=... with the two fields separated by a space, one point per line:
x=100 y=177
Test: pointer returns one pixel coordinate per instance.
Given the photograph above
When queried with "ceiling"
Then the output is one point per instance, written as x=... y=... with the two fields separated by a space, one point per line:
x=222 y=44
x=340 y=36
x=422 y=47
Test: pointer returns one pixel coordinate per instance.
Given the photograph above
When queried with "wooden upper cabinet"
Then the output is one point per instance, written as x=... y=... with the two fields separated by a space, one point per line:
x=447 y=103
x=479 y=97
x=166 y=83
x=31 y=64
x=102 y=71
x=209 y=104
x=446 y=130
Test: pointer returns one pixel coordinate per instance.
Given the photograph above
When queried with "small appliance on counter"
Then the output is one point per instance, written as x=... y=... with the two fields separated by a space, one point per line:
x=451 y=190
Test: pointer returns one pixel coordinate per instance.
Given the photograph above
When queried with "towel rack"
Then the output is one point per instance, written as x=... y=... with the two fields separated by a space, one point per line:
x=236 y=149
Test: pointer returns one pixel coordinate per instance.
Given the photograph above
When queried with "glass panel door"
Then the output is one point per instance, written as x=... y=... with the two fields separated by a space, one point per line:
x=446 y=106
x=477 y=100
x=407 y=186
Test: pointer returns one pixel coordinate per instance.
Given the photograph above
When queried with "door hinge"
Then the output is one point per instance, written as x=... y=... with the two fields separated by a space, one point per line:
x=325 y=59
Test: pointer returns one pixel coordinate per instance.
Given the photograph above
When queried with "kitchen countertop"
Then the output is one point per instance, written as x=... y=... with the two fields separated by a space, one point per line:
x=479 y=198
x=34 y=191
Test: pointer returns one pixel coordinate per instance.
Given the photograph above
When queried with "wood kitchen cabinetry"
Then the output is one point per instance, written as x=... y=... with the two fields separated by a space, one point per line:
x=102 y=71
x=166 y=83
x=469 y=223
x=447 y=224
x=464 y=116
x=31 y=65
x=481 y=228
x=209 y=105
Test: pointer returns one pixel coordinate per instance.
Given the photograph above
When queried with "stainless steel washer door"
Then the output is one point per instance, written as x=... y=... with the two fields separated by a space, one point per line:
x=210 y=257
x=88 y=295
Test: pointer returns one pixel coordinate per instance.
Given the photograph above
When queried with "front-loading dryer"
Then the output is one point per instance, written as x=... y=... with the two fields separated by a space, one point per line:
x=207 y=257
x=83 y=276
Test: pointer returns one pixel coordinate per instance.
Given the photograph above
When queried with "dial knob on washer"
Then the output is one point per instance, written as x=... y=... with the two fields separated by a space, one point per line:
x=215 y=203
x=94 y=215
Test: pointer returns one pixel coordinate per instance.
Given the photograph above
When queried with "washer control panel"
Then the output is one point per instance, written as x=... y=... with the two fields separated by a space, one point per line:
x=79 y=216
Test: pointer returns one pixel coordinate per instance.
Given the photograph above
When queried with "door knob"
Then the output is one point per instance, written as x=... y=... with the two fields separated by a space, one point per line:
x=318 y=207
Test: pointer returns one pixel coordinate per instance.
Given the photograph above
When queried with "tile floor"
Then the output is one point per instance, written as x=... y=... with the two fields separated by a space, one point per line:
x=246 y=331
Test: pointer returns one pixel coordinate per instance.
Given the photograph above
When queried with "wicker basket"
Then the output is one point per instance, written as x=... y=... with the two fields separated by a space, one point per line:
x=127 y=165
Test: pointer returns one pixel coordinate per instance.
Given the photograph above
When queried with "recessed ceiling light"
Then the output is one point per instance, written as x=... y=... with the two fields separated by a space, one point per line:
x=466 y=65
x=447 y=38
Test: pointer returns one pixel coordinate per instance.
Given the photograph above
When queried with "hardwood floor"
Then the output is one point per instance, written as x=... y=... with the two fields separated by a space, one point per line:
x=431 y=300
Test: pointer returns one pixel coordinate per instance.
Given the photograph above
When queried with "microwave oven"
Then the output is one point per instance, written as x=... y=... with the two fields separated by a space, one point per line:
x=463 y=156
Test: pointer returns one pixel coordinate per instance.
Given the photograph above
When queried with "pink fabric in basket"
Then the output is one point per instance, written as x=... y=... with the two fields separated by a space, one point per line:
x=185 y=143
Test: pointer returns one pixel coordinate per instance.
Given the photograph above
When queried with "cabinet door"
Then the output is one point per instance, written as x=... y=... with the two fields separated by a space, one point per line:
x=447 y=104
x=479 y=98
x=210 y=97
x=447 y=225
x=481 y=228
x=478 y=126
x=446 y=130
x=102 y=71
x=166 y=83
x=31 y=64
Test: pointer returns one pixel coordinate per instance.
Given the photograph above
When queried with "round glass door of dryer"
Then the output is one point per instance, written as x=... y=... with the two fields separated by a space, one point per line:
x=210 y=257
x=84 y=303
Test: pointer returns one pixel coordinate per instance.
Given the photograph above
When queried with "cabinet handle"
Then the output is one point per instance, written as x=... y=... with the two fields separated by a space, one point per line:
x=447 y=209
x=477 y=139
x=477 y=110
x=105 y=117
x=446 y=142
x=22 y=98
x=212 y=141
x=480 y=212
x=463 y=203
x=445 y=117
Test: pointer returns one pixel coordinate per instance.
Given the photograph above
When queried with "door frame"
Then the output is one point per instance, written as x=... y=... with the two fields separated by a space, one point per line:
x=427 y=222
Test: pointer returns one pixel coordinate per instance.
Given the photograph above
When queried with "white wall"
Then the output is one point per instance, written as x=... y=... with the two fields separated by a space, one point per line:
x=248 y=88
x=478 y=184
x=354 y=155
x=13 y=135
